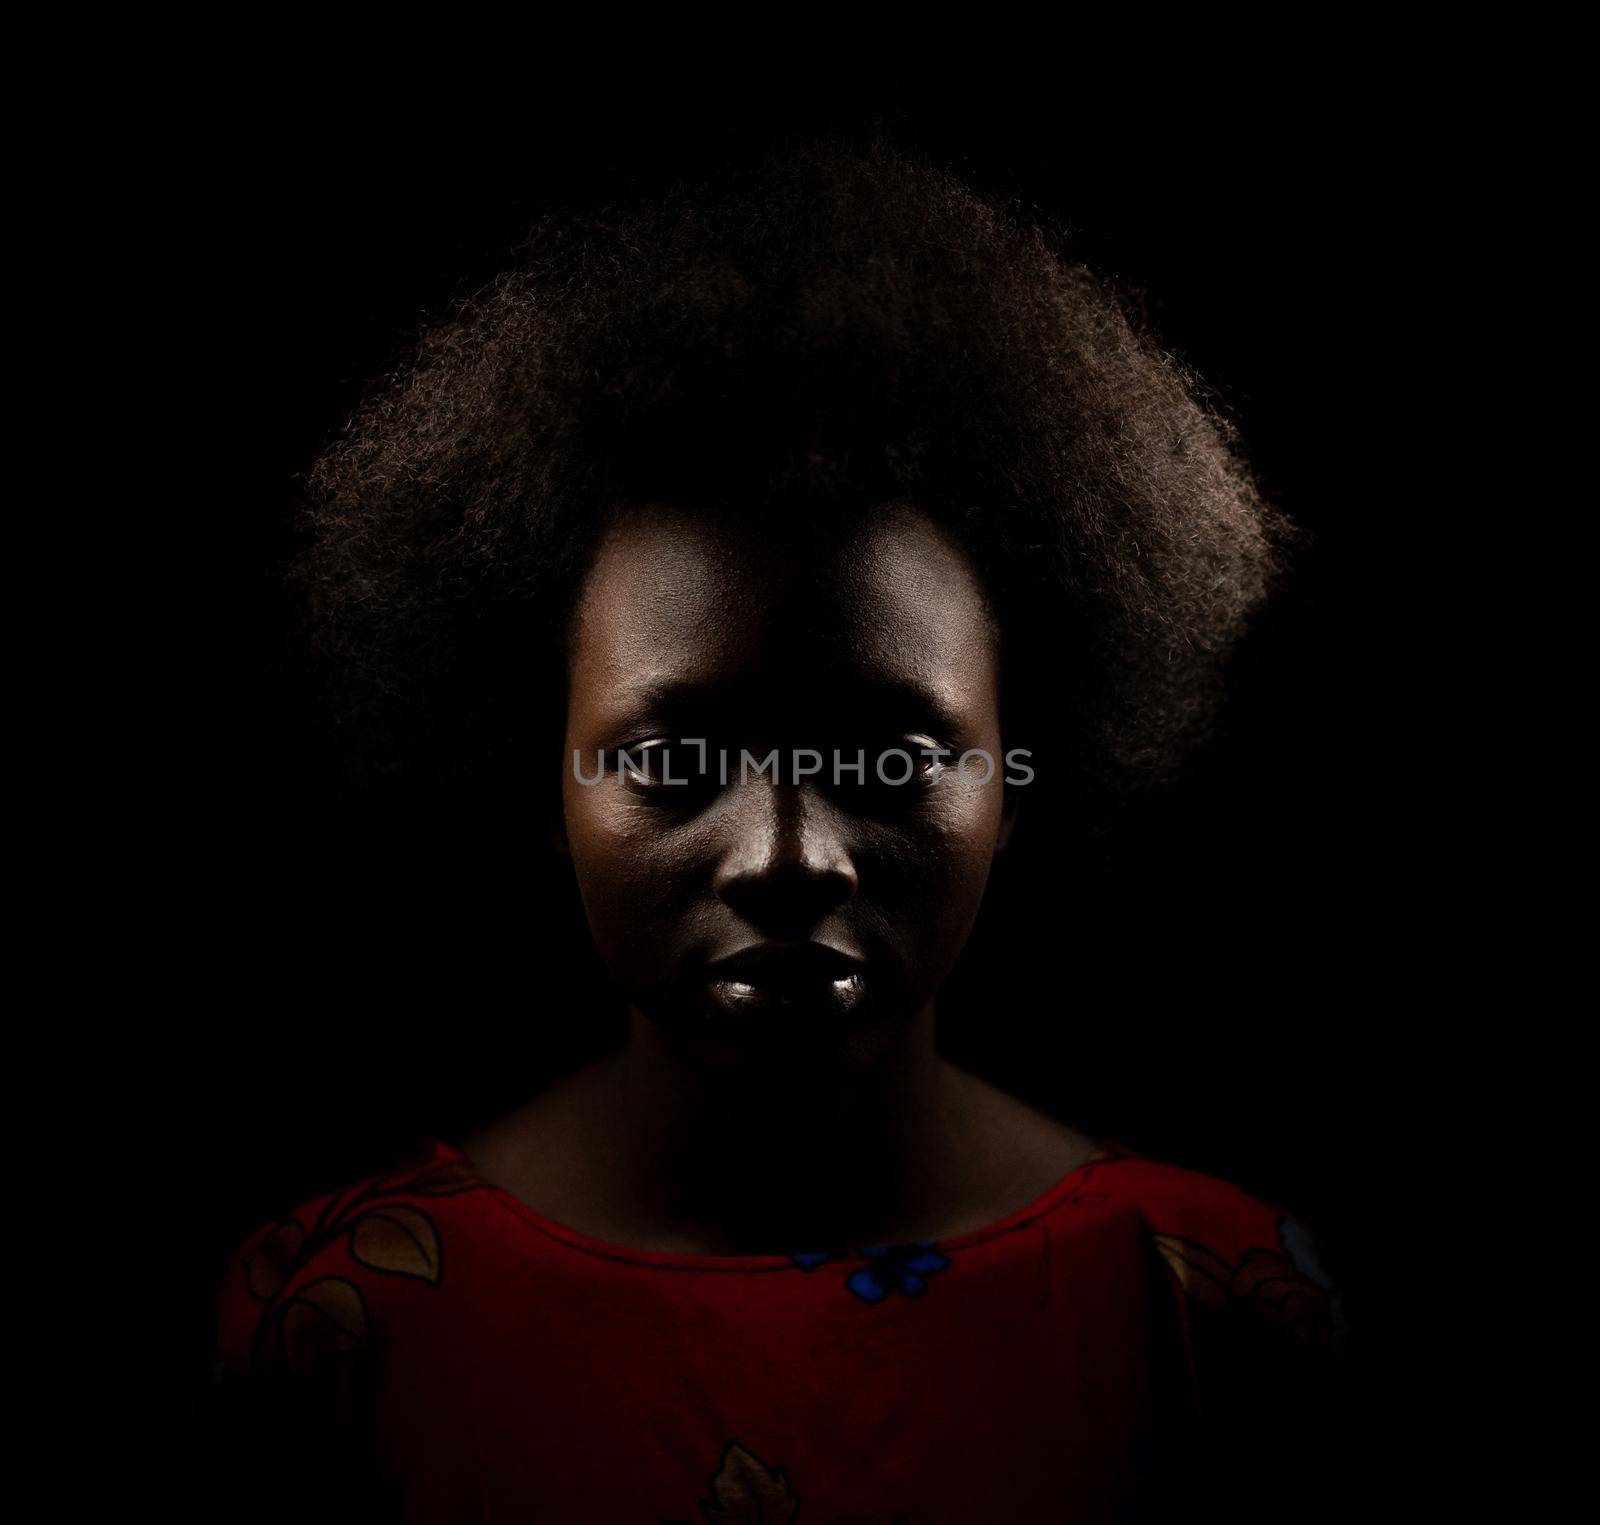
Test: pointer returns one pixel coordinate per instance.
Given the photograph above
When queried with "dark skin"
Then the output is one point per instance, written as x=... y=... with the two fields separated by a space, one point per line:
x=793 y=1098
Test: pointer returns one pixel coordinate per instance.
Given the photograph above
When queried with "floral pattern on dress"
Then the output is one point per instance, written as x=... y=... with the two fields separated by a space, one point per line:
x=745 y=1490
x=385 y=1233
x=890 y=1268
x=1279 y=1284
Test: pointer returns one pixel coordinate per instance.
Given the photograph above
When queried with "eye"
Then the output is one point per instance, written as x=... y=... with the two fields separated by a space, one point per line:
x=931 y=757
x=907 y=762
x=895 y=771
x=667 y=768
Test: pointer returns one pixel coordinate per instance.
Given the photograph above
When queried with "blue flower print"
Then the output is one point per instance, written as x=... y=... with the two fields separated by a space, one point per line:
x=902 y=1268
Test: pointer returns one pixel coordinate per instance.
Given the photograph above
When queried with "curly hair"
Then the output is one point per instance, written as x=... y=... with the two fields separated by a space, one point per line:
x=836 y=326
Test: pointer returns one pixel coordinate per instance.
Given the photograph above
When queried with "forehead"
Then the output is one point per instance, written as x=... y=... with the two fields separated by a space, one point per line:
x=681 y=600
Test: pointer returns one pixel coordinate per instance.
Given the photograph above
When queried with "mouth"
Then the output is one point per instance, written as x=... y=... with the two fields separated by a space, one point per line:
x=803 y=980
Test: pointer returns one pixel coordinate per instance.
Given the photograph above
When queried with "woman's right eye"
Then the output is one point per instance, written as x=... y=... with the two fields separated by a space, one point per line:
x=668 y=766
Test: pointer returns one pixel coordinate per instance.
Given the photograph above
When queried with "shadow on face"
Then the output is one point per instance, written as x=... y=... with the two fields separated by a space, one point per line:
x=783 y=773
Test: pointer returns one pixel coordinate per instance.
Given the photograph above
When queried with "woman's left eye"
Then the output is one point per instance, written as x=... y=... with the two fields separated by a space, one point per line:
x=892 y=771
x=931 y=756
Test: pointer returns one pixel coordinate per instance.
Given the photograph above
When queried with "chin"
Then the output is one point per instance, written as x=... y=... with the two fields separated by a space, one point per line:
x=789 y=1038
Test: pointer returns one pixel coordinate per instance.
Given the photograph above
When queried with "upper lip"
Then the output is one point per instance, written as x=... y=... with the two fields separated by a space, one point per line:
x=782 y=963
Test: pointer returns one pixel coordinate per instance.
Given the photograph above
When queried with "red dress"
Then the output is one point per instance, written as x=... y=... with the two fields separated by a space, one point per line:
x=1141 y=1342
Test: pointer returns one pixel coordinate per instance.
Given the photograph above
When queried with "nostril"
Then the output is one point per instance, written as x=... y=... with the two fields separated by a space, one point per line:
x=786 y=896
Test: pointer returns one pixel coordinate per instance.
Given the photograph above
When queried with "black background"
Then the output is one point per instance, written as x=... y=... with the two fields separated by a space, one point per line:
x=1225 y=988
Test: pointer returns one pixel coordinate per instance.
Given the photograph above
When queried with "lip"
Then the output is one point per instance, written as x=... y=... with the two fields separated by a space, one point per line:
x=806 y=981
x=785 y=965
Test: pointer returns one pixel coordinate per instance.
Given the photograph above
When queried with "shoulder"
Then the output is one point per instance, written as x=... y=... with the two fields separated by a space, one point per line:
x=330 y=1275
x=307 y=1311
x=1264 y=1334
x=1222 y=1247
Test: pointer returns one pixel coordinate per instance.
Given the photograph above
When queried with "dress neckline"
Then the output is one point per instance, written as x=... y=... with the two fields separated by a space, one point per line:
x=802 y=1258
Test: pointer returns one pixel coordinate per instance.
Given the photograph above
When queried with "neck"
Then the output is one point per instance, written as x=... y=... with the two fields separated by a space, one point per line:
x=761 y=1161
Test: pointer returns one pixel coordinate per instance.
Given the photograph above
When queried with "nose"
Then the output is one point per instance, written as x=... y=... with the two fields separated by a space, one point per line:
x=788 y=863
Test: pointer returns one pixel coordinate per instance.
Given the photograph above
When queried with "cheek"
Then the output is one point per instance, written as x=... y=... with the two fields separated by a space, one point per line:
x=643 y=881
x=969 y=855
x=933 y=876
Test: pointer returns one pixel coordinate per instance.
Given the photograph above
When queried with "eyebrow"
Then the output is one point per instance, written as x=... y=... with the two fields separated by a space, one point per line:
x=907 y=700
x=881 y=697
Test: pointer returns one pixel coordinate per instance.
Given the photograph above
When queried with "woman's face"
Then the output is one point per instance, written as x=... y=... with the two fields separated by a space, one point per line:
x=811 y=903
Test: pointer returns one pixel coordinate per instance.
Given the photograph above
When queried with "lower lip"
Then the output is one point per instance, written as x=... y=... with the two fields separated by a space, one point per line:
x=818 y=999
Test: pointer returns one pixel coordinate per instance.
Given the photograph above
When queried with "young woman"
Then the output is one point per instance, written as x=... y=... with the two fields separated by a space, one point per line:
x=786 y=545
